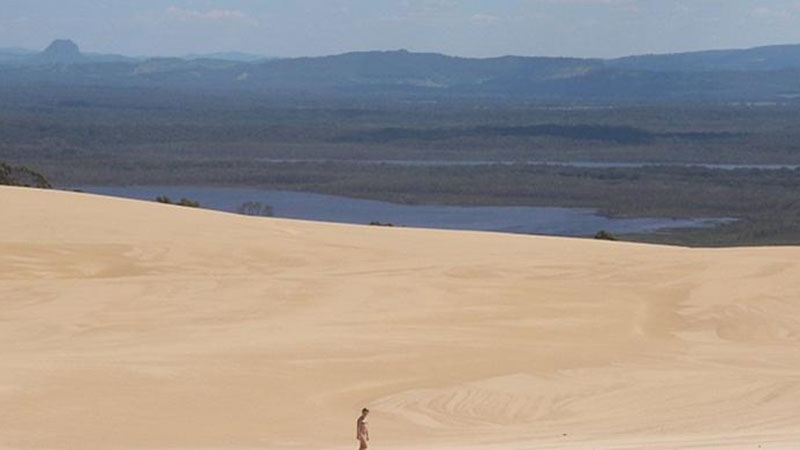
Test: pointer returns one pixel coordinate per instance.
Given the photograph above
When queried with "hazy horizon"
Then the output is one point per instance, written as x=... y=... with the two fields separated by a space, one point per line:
x=255 y=54
x=470 y=28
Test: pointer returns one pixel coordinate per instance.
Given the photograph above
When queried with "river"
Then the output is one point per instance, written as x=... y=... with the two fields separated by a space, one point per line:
x=511 y=219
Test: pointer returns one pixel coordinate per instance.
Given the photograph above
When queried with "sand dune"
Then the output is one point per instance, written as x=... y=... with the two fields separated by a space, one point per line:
x=130 y=325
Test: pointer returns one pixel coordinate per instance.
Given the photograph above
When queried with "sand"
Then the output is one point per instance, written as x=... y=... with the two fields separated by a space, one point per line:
x=134 y=325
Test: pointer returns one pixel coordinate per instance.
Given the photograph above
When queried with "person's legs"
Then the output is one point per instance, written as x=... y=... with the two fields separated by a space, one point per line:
x=363 y=443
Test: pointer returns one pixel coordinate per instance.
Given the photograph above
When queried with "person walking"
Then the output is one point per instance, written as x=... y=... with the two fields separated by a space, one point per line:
x=362 y=430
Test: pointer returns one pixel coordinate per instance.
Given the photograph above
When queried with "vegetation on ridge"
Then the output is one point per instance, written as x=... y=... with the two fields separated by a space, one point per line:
x=22 y=176
x=182 y=202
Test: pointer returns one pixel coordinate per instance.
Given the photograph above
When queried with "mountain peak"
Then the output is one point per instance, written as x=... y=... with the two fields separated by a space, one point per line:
x=62 y=50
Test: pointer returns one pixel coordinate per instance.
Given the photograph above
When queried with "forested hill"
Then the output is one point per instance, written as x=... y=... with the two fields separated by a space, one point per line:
x=766 y=73
x=775 y=57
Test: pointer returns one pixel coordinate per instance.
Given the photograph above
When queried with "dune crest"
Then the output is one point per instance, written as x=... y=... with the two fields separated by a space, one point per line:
x=143 y=326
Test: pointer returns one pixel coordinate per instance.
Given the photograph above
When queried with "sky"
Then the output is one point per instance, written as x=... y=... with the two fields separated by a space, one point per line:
x=474 y=28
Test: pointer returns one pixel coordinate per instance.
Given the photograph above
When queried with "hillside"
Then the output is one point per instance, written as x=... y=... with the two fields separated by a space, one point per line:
x=774 y=57
x=138 y=325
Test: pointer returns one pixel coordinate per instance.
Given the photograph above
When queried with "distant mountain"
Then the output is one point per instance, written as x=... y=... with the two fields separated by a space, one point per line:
x=14 y=54
x=228 y=56
x=62 y=51
x=774 y=57
x=195 y=68
x=18 y=51
x=104 y=57
x=402 y=69
x=765 y=73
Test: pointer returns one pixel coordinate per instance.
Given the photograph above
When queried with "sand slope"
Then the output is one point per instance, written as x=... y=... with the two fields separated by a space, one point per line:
x=129 y=325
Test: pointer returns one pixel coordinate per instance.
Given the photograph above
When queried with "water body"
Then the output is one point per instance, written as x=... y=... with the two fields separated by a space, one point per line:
x=327 y=208
x=579 y=164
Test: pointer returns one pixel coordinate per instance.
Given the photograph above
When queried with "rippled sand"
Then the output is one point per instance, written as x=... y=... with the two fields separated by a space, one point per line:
x=130 y=325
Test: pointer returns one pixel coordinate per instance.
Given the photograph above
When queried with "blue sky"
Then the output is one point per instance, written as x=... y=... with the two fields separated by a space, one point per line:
x=596 y=28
